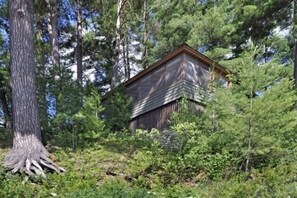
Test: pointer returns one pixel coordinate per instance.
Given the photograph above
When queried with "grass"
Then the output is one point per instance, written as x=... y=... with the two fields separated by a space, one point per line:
x=121 y=167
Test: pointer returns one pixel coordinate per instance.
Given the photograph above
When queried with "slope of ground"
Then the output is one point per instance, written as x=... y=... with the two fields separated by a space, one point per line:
x=121 y=167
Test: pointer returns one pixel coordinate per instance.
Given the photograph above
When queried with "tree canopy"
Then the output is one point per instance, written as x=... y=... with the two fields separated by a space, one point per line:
x=60 y=58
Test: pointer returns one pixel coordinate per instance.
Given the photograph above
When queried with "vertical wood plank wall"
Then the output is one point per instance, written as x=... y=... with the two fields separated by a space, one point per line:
x=157 y=118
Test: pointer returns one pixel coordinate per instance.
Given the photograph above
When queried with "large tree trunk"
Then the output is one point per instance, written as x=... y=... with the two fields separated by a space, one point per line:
x=117 y=52
x=79 y=48
x=28 y=154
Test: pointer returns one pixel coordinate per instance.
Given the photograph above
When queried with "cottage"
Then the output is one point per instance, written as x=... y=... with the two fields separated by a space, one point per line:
x=157 y=89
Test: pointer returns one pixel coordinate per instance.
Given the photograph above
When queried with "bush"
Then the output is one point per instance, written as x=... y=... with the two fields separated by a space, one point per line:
x=87 y=121
x=82 y=128
x=112 y=189
x=118 y=110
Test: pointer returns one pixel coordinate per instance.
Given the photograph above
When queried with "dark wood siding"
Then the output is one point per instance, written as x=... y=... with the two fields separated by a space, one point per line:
x=157 y=118
x=156 y=92
x=169 y=94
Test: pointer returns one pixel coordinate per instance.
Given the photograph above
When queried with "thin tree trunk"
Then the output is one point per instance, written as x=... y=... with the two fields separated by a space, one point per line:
x=126 y=56
x=53 y=12
x=295 y=40
x=41 y=75
x=4 y=104
x=128 y=74
x=79 y=47
x=145 y=35
x=7 y=116
x=125 y=60
x=295 y=62
x=53 y=31
x=28 y=154
x=250 y=133
x=116 y=67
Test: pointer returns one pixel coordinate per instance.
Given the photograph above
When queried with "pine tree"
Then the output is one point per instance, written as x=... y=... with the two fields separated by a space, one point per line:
x=28 y=154
x=255 y=118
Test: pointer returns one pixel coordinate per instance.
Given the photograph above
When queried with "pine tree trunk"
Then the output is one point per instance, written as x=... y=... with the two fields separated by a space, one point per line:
x=116 y=67
x=79 y=48
x=295 y=63
x=295 y=40
x=7 y=116
x=145 y=36
x=53 y=12
x=128 y=74
x=4 y=103
x=250 y=134
x=126 y=56
x=28 y=154
x=41 y=73
x=53 y=31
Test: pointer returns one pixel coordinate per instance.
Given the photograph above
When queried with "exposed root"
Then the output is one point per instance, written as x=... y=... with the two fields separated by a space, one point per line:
x=28 y=167
x=31 y=161
x=17 y=166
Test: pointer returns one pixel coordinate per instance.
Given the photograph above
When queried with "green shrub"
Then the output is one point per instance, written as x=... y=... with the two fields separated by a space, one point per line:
x=112 y=189
x=5 y=137
x=81 y=128
x=87 y=121
x=118 y=110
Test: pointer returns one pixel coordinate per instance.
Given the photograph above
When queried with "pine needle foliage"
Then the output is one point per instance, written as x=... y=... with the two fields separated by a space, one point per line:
x=255 y=119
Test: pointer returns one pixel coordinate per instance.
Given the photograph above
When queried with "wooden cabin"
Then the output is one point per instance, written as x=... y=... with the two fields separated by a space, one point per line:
x=157 y=89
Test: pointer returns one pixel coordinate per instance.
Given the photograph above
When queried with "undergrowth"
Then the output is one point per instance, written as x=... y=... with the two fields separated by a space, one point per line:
x=124 y=165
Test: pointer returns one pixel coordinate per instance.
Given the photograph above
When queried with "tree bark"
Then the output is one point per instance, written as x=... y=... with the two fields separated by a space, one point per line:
x=145 y=36
x=116 y=67
x=53 y=12
x=4 y=103
x=27 y=154
x=295 y=63
x=79 y=48
x=53 y=30
x=295 y=40
x=126 y=56
x=7 y=116
x=41 y=74
x=250 y=134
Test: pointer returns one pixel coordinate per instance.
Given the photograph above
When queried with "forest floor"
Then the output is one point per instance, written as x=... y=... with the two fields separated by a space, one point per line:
x=115 y=167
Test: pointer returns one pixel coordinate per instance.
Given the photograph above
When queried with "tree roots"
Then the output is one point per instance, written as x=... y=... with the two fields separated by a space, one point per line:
x=31 y=161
